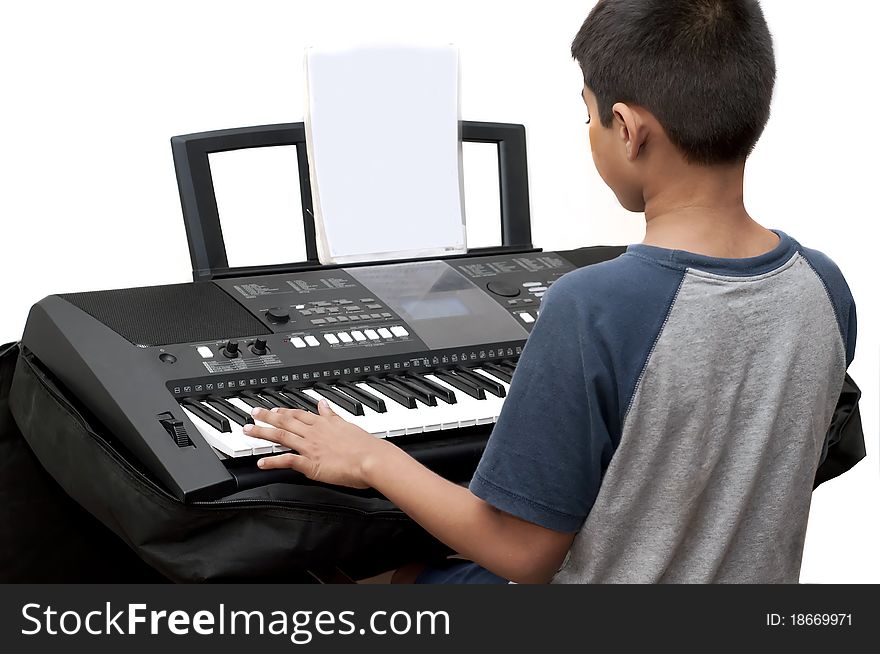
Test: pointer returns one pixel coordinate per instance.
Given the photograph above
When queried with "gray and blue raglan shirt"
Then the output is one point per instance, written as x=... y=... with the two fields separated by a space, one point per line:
x=672 y=409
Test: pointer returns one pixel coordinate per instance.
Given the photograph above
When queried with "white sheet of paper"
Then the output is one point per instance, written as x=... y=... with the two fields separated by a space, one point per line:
x=383 y=143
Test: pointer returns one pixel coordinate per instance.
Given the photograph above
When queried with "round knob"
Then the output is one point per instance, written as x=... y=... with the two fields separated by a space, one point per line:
x=230 y=349
x=505 y=290
x=167 y=357
x=278 y=315
x=259 y=347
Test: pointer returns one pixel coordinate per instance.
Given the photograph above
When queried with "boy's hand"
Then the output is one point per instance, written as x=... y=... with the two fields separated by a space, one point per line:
x=325 y=447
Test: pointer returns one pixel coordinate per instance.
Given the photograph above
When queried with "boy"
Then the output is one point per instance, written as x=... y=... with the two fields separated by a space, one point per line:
x=694 y=377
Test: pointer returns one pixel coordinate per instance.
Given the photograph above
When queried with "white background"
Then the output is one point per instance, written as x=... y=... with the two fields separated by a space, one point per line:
x=90 y=93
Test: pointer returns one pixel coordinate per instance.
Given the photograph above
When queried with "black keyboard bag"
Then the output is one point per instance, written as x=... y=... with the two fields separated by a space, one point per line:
x=270 y=533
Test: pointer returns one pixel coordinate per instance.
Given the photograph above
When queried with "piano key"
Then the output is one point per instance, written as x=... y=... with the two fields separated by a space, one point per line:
x=234 y=443
x=374 y=423
x=405 y=399
x=255 y=401
x=398 y=419
x=308 y=402
x=282 y=401
x=352 y=407
x=217 y=421
x=472 y=411
x=461 y=384
x=375 y=403
x=508 y=364
x=424 y=395
x=443 y=392
x=225 y=442
x=492 y=377
x=275 y=447
x=486 y=384
x=498 y=372
x=229 y=410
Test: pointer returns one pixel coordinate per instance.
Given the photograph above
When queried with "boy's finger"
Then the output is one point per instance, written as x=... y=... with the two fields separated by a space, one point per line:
x=280 y=436
x=291 y=461
x=324 y=409
x=294 y=420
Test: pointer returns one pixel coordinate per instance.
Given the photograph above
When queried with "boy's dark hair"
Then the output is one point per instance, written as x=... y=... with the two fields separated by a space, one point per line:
x=704 y=68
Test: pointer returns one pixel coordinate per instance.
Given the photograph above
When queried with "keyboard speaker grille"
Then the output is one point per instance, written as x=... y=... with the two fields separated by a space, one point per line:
x=177 y=313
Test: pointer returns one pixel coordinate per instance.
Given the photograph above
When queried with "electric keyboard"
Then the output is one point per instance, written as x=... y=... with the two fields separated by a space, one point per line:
x=421 y=352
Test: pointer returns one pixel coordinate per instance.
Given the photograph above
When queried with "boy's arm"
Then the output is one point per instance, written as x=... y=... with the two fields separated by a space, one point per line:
x=334 y=451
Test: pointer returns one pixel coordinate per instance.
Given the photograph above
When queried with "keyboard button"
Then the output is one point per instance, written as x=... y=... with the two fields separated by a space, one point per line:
x=298 y=342
x=399 y=331
x=384 y=333
x=331 y=339
x=526 y=317
x=205 y=352
x=371 y=334
x=344 y=337
x=358 y=336
x=312 y=341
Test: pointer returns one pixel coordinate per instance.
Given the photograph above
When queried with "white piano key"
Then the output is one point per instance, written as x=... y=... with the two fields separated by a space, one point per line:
x=369 y=423
x=257 y=445
x=275 y=447
x=227 y=443
x=471 y=410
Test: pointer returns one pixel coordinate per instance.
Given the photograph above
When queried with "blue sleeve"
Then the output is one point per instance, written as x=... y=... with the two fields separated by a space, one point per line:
x=840 y=296
x=544 y=460
x=561 y=421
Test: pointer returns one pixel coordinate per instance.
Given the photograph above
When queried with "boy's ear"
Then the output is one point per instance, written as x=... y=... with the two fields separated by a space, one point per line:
x=630 y=128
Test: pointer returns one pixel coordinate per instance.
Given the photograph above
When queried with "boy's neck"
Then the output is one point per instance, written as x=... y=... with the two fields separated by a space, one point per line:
x=700 y=209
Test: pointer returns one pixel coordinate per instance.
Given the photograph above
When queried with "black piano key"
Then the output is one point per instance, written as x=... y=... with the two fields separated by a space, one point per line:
x=486 y=384
x=309 y=403
x=217 y=421
x=424 y=395
x=230 y=411
x=389 y=391
x=277 y=398
x=508 y=364
x=497 y=371
x=440 y=391
x=354 y=407
x=255 y=400
x=461 y=384
x=375 y=403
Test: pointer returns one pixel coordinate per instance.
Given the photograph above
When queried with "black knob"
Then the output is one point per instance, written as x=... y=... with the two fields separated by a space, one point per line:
x=259 y=347
x=230 y=349
x=502 y=289
x=278 y=315
x=167 y=357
